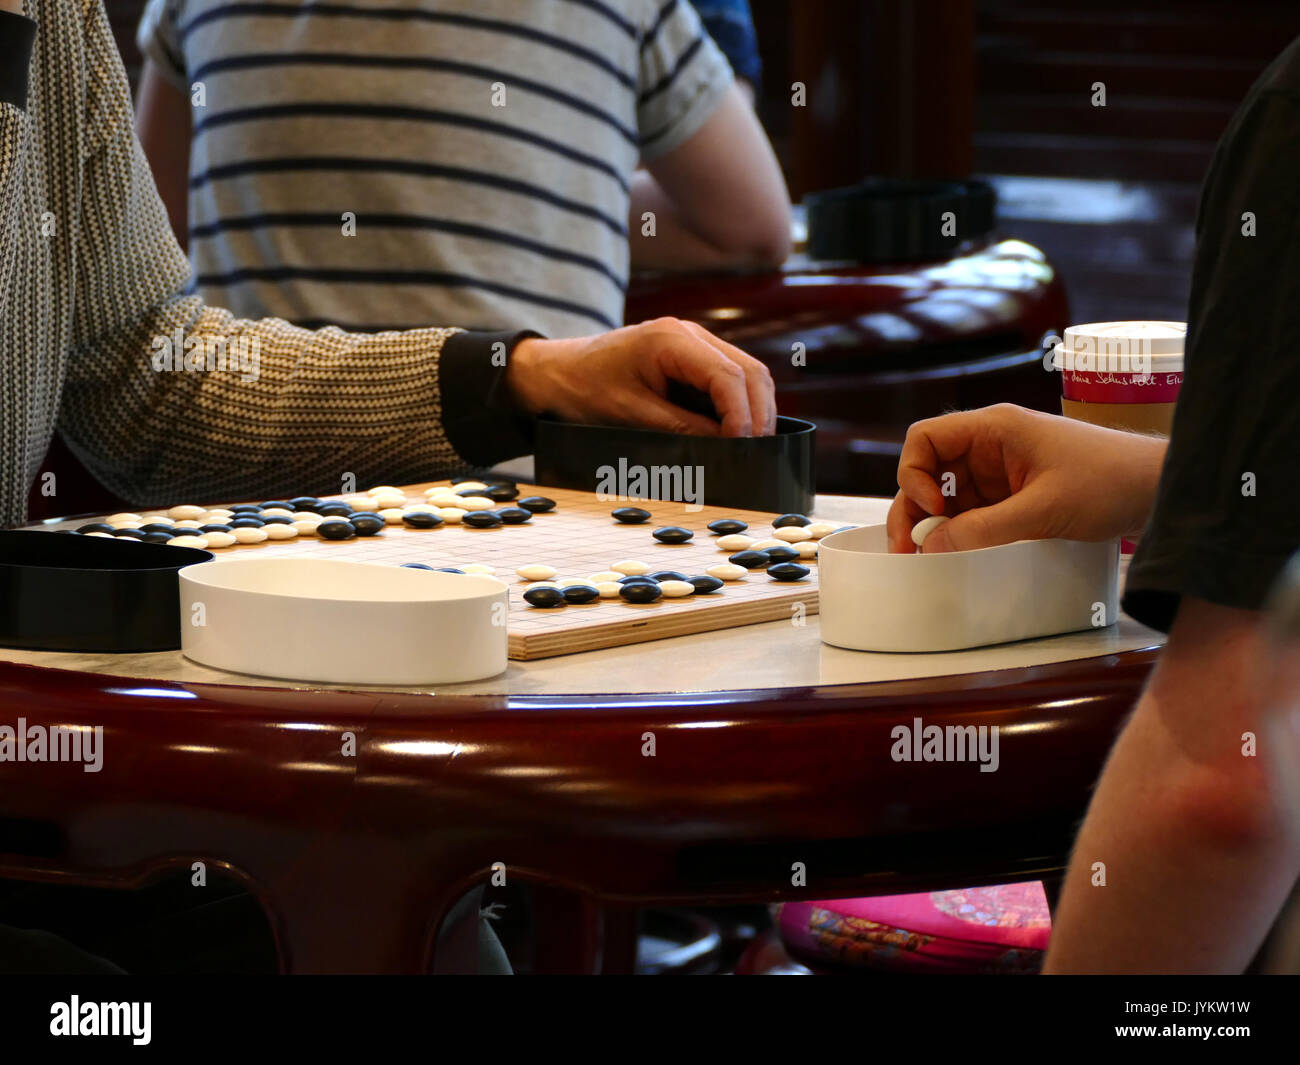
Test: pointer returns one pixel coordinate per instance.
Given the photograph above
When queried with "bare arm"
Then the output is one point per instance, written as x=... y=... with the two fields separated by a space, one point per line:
x=162 y=121
x=1191 y=830
x=718 y=200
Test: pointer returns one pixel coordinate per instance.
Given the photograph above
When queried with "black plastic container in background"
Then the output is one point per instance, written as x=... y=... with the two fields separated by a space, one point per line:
x=771 y=473
x=66 y=592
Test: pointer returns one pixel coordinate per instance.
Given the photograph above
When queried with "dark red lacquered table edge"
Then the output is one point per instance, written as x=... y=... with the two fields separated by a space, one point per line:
x=357 y=851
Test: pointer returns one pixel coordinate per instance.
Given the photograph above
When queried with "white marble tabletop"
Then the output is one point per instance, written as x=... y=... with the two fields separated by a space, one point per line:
x=775 y=654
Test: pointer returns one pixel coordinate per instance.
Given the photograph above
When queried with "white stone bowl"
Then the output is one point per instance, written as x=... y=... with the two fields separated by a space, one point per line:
x=340 y=622
x=871 y=600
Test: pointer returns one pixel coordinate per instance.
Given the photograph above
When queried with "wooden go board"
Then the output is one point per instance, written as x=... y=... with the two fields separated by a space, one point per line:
x=577 y=538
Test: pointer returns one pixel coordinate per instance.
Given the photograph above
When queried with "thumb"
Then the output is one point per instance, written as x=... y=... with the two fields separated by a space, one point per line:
x=1014 y=518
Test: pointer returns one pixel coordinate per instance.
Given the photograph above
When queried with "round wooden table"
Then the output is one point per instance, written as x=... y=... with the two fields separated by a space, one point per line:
x=743 y=765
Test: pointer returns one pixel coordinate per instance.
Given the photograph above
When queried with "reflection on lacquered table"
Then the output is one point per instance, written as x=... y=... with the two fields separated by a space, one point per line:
x=769 y=749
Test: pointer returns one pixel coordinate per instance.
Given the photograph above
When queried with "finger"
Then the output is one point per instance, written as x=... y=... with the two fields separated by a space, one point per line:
x=649 y=410
x=684 y=357
x=1018 y=517
x=935 y=446
x=903 y=514
x=762 y=389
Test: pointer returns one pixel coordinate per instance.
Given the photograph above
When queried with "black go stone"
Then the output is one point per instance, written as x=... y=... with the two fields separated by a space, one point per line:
x=419 y=519
x=639 y=578
x=512 y=515
x=97 y=526
x=277 y=519
x=157 y=538
x=581 y=593
x=781 y=554
x=416 y=565
x=366 y=524
x=275 y=504
x=790 y=519
x=450 y=569
x=501 y=493
x=481 y=519
x=546 y=598
x=537 y=504
x=130 y=534
x=704 y=585
x=214 y=527
x=672 y=534
x=630 y=515
x=787 y=571
x=303 y=503
x=667 y=575
x=640 y=593
x=727 y=526
x=247 y=521
x=245 y=508
x=158 y=527
x=335 y=530
x=334 y=510
x=750 y=559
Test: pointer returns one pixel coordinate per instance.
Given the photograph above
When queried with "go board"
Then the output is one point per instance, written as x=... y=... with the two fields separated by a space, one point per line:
x=577 y=538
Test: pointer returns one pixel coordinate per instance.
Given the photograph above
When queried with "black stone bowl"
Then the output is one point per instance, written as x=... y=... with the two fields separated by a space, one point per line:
x=65 y=592
x=771 y=473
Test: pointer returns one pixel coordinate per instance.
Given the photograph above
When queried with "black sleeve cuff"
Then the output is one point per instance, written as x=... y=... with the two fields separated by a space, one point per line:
x=480 y=421
x=17 y=34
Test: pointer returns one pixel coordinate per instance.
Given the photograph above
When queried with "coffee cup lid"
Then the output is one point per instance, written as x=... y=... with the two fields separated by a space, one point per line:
x=1162 y=342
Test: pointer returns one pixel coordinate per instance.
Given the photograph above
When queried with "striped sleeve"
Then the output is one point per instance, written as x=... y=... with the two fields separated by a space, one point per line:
x=158 y=38
x=683 y=76
x=167 y=398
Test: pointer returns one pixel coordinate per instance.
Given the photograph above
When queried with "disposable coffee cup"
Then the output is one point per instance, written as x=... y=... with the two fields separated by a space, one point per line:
x=1123 y=375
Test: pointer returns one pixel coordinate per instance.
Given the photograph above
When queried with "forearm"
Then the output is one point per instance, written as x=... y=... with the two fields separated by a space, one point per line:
x=1184 y=857
x=666 y=240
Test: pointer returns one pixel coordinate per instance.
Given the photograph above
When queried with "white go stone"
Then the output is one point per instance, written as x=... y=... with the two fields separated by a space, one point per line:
x=187 y=510
x=734 y=542
x=131 y=524
x=216 y=540
x=249 y=536
x=465 y=486
x=112 y=537
x=419 y=508
x=604 y=577
x=304 y=528
x=763 y=545
x=608 y=589
x=477 y=503
x=189 y=523
x=365 y=503
x=384 y=502
x=278 y=531
x=727 y=571
x=385 y=490
x=451 y=515
x=541 y=584
x=276 y=512
x=676 y=589
x=113 y=519
x=925 y=527
x=630 y=567
x=792 y=534
x=536 y=572
x=479 y=567
x=184 y=541
x=391 y=515
x=818 y=529
x=806 y=548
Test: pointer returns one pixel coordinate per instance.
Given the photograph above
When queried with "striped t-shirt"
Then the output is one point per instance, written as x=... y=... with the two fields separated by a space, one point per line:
x=384 y=165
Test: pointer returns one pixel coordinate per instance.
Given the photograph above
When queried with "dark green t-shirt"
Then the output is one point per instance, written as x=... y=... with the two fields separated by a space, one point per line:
x=1227 y=513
